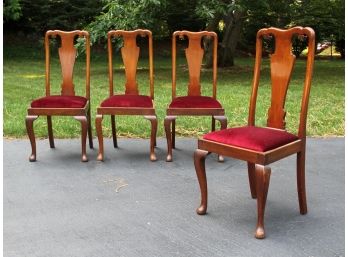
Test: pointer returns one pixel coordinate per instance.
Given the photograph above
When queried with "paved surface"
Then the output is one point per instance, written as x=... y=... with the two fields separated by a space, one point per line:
x=59 y=206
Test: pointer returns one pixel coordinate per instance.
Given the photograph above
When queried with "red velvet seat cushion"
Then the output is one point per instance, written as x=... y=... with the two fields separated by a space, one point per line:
x=128 y=101
x=59 y=101
x=194 y=102
x=253 y=138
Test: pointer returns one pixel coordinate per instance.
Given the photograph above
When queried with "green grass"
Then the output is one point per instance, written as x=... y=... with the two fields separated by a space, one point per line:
x=24 y=81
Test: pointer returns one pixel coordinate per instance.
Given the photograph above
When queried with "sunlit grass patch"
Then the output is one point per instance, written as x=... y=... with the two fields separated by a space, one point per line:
x=24 y=81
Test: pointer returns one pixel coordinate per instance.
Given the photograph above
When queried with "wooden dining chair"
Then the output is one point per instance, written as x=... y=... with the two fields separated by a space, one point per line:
x=67 y=103
x=131 y=102
x=194 y=104
x=261 y=146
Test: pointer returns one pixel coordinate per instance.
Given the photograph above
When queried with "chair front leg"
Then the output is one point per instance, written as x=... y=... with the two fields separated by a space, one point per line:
x=167 y=122
x=153 y=120
x=50 y=131
x=223 y=125
x=90 y=136
x=262 y=175
x=252 y=182
x=29 y=120
x=99 y=129
x=213 y=123
x=199 y=161
x=84 y=128
x=301 y=181
x=114 y=133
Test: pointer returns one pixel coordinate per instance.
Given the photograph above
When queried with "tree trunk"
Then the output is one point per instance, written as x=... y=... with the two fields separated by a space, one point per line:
x=231 y=35
x=208 y=44
x=230 y=39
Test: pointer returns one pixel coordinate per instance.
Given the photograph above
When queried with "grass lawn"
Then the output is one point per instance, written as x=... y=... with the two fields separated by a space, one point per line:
x=24 y=81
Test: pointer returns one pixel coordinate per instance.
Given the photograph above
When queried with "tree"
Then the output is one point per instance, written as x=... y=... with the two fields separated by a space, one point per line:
x=40 y=15
x=326 y=17
x=339 y=35
x=12 y=10
x=235 y=21
x=127 y=15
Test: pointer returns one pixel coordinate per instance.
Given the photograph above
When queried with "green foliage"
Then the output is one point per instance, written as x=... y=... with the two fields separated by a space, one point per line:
x=326 y=17
x=161 y=17
x=12 y=10
x=41 y=15
x=182 y=15
x=241 y=18
x=127 y=15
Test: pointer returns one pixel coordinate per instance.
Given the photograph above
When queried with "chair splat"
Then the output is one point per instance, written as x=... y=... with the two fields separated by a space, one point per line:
x=67 y=56
x=282 y=63
x=130 y=56
x=194 y=55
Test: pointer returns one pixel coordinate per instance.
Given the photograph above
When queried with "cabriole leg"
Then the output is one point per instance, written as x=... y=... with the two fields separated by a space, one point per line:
x=153 y=120
x=84 y=128
x=99 y=129
x=167 y=122
x=262 y=175
x=199 y=160
x=29 y=122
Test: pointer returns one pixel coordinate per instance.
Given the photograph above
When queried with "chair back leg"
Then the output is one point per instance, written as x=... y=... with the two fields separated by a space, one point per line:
x=50 y=131
x=223 y=125
x=301 y=181
x=173 y=134
x=90 y=135
x=252 y=182
x=114 y=132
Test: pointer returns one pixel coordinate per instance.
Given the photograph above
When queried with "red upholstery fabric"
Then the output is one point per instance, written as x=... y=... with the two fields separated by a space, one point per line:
x=128 y=101
x=59 y=101
x=253 y=138
x=194 y=102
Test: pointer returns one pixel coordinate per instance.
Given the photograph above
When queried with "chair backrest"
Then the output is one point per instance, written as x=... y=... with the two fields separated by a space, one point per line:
x=282 y=63
x=67 y=55
x=130 y=55
x=194 y=56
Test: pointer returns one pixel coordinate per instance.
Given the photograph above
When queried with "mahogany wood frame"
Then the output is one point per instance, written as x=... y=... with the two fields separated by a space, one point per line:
x=194 y=56
x=67 y=55
x=130 y=55
x=282 y=61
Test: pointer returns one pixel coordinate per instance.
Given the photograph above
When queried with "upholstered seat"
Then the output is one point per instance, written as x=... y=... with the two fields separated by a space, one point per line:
x=194 y=102
x=128 y=101
x=59 y=101
x=253 y=138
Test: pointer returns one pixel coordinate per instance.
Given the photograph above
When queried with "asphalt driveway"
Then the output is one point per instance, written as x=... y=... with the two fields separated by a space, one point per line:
x=129 y=206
